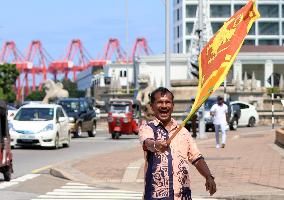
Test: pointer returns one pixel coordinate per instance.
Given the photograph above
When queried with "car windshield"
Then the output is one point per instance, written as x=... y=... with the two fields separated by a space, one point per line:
x=119 y=108
x=34 y=114
x=70 y=106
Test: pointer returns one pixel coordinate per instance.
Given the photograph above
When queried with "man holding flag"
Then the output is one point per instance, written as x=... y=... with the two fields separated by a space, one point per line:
x=168 y=146
x=167 y=170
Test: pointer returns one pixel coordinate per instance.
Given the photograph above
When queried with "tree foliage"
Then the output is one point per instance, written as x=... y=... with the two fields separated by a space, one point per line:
x=72 y=88
x=36 y=95
x=8 y=77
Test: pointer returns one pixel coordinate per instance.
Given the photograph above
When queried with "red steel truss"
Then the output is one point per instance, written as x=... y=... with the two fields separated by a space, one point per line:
x=35 y=62
x=69 y=63
x=140 y=46
x=112 y=48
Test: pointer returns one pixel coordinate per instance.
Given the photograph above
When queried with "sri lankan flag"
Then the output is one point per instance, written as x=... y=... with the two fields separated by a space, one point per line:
x=220 y=52
x=218 y=55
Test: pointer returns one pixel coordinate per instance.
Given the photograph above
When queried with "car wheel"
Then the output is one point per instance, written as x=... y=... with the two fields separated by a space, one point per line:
x=251 y=122
x=56 y=142
x=7 y=173
x=79 y=131
x=93 y=132
x=115 y=135
x=234 y=125
x=67 y=144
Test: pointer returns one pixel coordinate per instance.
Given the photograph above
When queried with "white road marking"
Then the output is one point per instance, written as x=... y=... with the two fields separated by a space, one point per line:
x=79 y=191
x=18 y=180
x=82 y=191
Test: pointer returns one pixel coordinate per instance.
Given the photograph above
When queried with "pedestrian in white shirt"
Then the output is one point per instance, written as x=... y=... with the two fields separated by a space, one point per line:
x=219 y=111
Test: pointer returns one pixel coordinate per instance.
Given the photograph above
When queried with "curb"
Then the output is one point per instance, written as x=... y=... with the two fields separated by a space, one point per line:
x=56 y=172
x=66 y=171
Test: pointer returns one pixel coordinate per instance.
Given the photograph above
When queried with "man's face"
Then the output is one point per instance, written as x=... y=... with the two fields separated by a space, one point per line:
x=220 y=101
x=163 y=107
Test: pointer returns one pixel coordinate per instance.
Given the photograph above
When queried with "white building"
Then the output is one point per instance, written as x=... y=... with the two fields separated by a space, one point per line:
x=119 y=72
x=262 y=60
x=268 y=30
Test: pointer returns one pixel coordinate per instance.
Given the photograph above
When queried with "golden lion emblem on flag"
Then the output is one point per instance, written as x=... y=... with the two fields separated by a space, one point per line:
x=222 y=37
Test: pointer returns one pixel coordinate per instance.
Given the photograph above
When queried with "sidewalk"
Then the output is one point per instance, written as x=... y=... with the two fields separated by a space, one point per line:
x=250 y=167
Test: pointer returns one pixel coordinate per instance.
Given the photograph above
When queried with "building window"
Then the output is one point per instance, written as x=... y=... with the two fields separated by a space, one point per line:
x=178 y=32
x=187 y=45
x=178 y=48
x=189 y=28
x=216 y=26
x=177 y=1
x=252 y=30
x=221 y=11
x=123 y=73
x=191 y=11
x=249 y=42
x=268 y=42
x=238 y=7
x=268 y=10
x=268 y=28
x=282 y=28
x=177 y=14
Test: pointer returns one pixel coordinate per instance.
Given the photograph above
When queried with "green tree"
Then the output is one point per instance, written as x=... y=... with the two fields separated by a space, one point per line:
x=72 y=88
x=36 y=96
x=8 y=77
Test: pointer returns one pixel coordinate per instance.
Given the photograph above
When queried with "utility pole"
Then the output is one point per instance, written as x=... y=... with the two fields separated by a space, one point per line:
x=272 y=100
x=167 y=45
x=201 y=33
x=200 y=27
x=126 y=45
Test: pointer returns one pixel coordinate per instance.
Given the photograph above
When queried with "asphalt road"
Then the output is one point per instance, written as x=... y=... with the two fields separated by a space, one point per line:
x=32 y=159
x=26 y=185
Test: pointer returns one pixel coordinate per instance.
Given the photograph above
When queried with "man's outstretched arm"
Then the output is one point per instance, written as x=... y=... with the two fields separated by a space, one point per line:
x=203 y=169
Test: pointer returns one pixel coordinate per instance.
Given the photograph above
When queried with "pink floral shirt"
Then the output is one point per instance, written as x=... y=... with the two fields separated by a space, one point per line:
x=167 y=174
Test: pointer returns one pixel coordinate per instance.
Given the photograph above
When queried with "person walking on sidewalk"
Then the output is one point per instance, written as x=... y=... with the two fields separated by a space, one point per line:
x=167 y=167
x=219 y=111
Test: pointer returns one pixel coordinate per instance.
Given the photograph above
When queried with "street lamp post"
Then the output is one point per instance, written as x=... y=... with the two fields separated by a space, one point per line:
x=167 y=53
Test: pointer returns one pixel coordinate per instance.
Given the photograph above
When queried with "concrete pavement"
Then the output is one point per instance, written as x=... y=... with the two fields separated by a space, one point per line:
x=250 y=167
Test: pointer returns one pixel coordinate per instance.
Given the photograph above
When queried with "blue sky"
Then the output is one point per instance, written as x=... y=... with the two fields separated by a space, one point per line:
x=57 y=22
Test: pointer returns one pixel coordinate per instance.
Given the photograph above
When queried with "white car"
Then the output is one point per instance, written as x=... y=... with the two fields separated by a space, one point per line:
x=43 y=125
x=249 y=116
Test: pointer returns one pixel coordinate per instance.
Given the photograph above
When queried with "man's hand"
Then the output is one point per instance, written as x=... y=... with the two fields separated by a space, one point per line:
x=203 y=169
x=210 y=185
x=161 y=146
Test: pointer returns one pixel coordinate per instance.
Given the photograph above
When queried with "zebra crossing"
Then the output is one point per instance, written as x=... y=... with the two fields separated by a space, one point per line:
x=80 y=191
x=18 y=180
